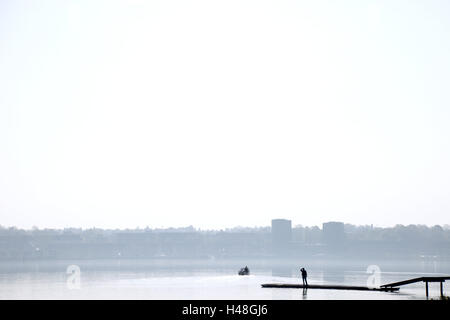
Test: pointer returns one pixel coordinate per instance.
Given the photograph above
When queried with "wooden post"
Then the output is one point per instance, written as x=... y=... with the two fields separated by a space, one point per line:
x=426 y=288
x=442 y=289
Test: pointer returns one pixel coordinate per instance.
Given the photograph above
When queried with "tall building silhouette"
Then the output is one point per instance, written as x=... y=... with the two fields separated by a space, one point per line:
x=281 y=236
x=333 y=233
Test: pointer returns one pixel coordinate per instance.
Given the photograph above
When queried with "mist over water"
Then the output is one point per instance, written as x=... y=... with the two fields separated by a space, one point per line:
x=191 y=264
x=209 y=279
x=124 y=124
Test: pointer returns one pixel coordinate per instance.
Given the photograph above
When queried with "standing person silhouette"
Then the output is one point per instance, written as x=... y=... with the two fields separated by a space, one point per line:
x=304 y=276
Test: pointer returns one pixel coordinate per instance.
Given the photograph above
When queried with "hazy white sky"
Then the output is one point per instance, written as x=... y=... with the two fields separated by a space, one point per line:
x=224 y=113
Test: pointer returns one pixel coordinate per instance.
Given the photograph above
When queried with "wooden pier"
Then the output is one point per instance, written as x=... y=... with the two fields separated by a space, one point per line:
x=390 y=287
x=421 y=279
x=321 y=286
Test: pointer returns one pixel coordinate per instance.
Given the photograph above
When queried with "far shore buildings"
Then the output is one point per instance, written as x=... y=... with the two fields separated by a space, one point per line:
x=280 y=241
x=330 y=239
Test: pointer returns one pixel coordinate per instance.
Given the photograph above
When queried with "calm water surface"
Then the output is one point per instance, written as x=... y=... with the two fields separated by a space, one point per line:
x=209 y=279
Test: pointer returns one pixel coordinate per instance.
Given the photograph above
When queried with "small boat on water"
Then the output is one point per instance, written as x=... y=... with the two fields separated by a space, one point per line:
x=244 y=271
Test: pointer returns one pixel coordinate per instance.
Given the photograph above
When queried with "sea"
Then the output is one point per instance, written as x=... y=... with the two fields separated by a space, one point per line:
x=192 y=279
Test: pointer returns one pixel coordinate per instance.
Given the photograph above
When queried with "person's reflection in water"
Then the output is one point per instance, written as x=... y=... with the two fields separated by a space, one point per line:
x=304 y=296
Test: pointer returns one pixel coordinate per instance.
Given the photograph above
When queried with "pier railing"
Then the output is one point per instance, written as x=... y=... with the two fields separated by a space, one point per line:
x=421 y=279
